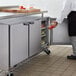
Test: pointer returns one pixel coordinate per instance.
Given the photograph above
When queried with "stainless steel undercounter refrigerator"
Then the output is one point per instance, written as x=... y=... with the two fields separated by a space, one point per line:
x=20 y=39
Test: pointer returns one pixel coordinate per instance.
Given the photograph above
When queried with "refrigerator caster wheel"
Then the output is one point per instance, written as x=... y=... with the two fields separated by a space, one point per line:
x=47 y=52
x=10 y=74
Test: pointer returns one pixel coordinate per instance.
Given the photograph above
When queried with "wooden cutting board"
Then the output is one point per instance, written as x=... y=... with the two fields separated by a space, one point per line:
x=20 y=10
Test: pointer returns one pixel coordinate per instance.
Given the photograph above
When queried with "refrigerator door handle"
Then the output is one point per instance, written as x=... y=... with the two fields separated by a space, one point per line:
x=31 y=22
x=26 y=24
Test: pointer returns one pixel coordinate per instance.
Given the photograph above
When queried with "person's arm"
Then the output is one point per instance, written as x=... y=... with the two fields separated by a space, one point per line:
x=65 y=11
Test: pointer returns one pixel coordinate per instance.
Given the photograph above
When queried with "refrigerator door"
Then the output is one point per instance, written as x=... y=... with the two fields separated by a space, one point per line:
x=35 y=38
x=19 y=43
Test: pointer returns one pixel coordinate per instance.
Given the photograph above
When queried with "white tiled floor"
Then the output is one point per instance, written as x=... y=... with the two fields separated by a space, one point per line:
x=55 y=64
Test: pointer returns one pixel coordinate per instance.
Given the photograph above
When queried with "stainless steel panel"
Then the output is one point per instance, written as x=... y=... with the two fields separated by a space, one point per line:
x=35 y=37
x=19 y=43
x=3 y=47
x=60 y=34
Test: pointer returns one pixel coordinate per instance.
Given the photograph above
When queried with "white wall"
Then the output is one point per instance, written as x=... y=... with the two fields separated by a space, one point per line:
x=52 y=6
x=13 y=2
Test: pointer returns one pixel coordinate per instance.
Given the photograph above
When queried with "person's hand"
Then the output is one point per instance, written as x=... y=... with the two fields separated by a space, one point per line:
x=53 y=25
